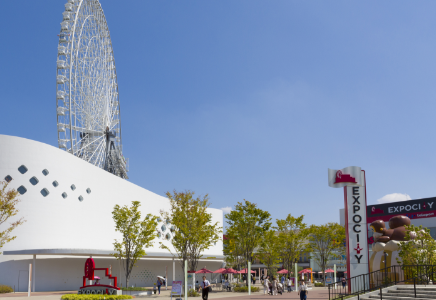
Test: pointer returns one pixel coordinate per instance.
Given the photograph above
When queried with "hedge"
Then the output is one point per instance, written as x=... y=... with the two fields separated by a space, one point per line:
x=244 y=289
x=94 y=297
x=5 y=289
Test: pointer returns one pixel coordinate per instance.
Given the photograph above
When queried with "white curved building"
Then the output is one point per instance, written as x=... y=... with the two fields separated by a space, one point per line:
x=67 y=205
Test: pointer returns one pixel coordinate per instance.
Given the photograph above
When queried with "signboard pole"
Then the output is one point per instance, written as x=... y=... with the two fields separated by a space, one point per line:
x=334 y=269
x=30 y=280
x=296 y=275
x=249 y=278
x=186 y=280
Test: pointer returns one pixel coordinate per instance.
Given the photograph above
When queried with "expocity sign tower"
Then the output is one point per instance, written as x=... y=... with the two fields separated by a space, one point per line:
x=352 y=179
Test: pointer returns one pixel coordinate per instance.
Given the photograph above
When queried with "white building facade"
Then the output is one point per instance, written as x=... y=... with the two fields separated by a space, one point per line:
x=67 y=204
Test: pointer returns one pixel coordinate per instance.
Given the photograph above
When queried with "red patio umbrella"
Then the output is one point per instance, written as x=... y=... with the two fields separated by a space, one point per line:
x=329 y=271
x=204 y=270
x=192 y=271
x=244 y=271
x=305 y=271
x=284 y=271
x=230 y=271
x=220 y=270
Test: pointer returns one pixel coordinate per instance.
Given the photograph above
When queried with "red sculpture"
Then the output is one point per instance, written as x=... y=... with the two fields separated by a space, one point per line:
x=89 y=274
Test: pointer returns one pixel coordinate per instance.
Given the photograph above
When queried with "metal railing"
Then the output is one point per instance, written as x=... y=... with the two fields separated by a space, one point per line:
x=365 y=283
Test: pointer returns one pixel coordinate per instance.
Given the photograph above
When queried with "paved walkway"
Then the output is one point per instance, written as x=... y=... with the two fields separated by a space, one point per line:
x=314 y=294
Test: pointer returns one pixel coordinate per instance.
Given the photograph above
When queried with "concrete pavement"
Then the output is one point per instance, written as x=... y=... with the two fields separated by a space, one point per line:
x=314 y=294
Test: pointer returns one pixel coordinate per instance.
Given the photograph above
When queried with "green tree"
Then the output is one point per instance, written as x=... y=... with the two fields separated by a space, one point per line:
x=325 y=242
x=193 y=230
x=419 y=248
x=269 y=251
x=8 y=208
x=136 y=234
x=247 y=225
x=233 y=254
x=293 y=235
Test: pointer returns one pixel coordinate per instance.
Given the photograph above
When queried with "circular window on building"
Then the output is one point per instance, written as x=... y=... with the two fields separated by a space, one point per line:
x=8 y=178
x=34 y=180
x=64 y=195
x=22 y=169
x=45 y=172
x=167 y=221
x=159 y=219
x=159 y=234
x=44 y=192
x=168 y=236
x=163 y=227
x=55 y=183
x=22 y=190
x=88 y=190
x=73 y=187
x=80 y=198
x=172 y=228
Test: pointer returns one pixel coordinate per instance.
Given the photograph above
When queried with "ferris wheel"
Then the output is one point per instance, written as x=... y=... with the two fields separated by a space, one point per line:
x=87 y=101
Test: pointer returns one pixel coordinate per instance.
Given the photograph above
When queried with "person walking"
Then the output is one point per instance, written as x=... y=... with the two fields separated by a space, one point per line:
x=274 y=286
x=261 y=279
x=302 y=291
x=159 y=283
x=289 y=283
x=344 y=282
x=205 y=285
x=266 y=286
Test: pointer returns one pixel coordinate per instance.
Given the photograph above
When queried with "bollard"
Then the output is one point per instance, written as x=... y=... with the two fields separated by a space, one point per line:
x=381 y=293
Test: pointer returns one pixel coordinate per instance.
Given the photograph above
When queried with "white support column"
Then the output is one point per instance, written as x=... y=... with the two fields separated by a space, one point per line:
x=296 y=276
x=335 y=274
x=34 y=272
x=249 y=278
x=30 y=280
x=186 y=280
x=119 y=280
x=174 y=270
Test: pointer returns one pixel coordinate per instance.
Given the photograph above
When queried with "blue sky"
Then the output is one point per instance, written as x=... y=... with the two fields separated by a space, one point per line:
x=249 y=99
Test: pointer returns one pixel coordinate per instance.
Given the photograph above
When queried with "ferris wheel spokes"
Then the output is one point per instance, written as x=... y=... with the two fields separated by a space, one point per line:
x=88 y=109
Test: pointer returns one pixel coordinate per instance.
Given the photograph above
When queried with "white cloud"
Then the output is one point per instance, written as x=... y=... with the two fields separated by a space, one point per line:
x=394 y=198
x=226 y=209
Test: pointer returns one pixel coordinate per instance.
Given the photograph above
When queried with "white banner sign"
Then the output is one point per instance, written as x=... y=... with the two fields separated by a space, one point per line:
x=357 y=233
